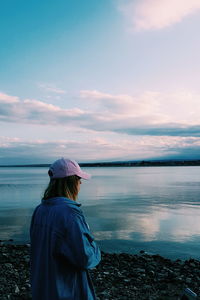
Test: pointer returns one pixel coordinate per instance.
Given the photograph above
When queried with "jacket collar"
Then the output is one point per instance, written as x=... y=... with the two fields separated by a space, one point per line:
x=60 y=200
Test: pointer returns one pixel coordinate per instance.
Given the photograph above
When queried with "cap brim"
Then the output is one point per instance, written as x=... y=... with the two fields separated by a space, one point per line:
x=85 y=175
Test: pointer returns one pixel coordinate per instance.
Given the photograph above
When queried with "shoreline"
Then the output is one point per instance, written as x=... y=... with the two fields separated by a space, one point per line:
x=130 y=163
x=119 y=276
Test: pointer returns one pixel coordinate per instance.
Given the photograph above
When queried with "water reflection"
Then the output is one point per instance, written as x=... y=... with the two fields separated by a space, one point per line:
x=156 y=224
x=156 y=209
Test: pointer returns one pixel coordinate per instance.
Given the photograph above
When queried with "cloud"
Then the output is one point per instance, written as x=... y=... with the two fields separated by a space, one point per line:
x=51 y=88
x=116 y=127
x=157 y=14
x=34 y=111
x=95 y=148
x=7 y=99
x=160 y=130
x=123 y=104
x=150 y=113
x=36 y=151
x=155 y=107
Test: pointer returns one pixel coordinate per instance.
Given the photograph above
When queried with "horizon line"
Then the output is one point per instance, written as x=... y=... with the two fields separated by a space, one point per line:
x=119 y=162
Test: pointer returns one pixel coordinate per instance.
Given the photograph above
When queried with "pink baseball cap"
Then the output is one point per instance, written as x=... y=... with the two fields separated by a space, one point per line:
x=65 y=167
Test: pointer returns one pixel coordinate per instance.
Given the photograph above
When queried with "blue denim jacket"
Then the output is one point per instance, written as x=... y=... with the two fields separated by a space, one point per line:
x=62 y=250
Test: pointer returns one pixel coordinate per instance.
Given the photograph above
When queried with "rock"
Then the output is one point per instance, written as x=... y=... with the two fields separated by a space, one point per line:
x=188 y=280
x=16 y=289
x=151 y=273
x=147 y=287
x=27 y=285
x=8 y=266
x=118 y=276
x=127 y=280
x=192 y=265
x=27 y=258
x=140 y=270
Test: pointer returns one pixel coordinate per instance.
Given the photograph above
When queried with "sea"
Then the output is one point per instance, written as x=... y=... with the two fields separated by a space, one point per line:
x=128 y=209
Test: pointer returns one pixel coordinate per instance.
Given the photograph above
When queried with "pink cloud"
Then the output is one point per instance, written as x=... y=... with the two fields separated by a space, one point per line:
x=157 y=14
x=149 y=113
x=4 y=98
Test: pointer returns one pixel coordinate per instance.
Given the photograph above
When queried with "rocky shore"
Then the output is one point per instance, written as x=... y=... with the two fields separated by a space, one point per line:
x=118 y=276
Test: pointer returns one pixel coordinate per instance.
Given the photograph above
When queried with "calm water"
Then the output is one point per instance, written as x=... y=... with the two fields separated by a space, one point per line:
x=155 y=209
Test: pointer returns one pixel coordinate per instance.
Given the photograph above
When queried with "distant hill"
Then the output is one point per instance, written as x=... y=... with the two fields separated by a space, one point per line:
x=142 y=163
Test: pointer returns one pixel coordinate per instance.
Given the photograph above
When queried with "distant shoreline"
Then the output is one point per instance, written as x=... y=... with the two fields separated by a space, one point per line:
x=143 y=163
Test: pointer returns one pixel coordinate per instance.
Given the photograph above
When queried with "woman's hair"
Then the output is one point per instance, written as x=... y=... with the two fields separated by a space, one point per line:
x=62 y=187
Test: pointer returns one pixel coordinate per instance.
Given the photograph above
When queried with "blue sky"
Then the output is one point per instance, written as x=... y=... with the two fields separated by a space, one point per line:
x=99 y=80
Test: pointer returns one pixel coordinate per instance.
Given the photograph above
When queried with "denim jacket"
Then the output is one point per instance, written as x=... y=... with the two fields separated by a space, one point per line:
x=62 y=251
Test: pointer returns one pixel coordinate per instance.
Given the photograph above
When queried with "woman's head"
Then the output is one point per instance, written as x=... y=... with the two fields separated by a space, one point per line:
x=65 y=179
x=65 y=167
x=63 y=187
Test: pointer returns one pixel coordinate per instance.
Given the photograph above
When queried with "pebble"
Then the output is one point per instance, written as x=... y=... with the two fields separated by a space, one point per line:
x=118 y=276
x=188 y=280
x=16 y=289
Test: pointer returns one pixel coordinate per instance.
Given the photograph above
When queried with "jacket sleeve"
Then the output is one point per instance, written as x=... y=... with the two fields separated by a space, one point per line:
x=78 y=245
x=32 y=221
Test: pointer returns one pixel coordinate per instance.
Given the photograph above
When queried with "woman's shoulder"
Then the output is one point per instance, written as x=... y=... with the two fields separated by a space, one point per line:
x=71 y=208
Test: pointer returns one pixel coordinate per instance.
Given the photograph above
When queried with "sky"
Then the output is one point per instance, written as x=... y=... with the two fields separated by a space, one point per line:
x=99 y=80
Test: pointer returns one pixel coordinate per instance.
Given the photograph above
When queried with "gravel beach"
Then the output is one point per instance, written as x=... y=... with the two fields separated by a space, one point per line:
x=118 y=276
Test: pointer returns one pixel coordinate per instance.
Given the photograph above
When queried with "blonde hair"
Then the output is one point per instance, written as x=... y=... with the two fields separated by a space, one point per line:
x=62 y=187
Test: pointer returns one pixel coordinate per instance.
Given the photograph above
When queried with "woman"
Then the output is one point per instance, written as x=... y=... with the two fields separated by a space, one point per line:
x=62 y=247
